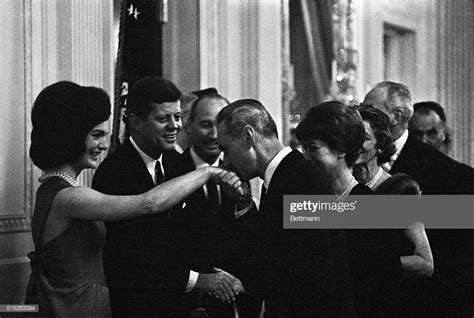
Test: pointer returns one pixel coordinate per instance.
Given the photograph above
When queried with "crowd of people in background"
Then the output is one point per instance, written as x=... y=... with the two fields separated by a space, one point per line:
x=170 y=227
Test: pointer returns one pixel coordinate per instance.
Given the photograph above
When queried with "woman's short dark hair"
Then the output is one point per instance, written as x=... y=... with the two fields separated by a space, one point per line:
x=62 y=116
x=380 y=124
x=336 y=124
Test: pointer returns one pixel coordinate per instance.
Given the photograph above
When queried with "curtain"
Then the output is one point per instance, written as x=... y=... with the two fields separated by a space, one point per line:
x=311 y=52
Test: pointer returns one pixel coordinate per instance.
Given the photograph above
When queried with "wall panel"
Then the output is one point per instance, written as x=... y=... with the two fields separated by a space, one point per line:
x=455 y=73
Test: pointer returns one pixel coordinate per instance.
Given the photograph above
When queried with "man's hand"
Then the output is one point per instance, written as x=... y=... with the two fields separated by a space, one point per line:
x=231 y=184
x=219 y=285
x=237 y=285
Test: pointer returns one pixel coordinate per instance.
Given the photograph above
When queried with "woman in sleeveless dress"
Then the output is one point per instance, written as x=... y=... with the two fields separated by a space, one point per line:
x=70 y=132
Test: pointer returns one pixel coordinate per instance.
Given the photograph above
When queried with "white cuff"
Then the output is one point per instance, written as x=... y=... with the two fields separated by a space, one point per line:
x=192 y=280
x=242 y=212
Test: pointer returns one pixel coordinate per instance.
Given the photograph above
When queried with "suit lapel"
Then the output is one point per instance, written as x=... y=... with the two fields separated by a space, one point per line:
x=136 y=164
x=278 y=179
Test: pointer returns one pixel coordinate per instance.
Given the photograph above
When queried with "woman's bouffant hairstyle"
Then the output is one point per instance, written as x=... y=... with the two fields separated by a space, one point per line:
x=338 y=125
x=380 y=123
x=62 y=116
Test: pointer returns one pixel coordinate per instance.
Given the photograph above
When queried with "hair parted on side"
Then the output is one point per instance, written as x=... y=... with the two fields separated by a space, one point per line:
x=250 y=112
x=339 y=126
x=149 y=90
x=380 y=124
x=62 y=116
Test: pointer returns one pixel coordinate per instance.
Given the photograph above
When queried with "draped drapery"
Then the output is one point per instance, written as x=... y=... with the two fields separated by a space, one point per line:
x=317 y=22
x=311 y=53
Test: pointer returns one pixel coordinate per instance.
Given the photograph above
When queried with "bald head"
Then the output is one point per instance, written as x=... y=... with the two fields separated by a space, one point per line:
x=394 y=99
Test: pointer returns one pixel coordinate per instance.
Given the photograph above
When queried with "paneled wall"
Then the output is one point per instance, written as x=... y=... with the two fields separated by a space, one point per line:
x=438 y=46
x=234 y=46
x=416 y=16
x=455 y=73
x=42 y=42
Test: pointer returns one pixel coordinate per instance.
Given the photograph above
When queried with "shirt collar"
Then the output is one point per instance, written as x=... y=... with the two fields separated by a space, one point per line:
x=274 y=164
x=399 y=143
x=149 y=161
x=199 y=163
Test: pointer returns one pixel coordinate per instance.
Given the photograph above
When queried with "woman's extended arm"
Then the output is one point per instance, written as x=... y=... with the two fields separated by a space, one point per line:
x=420 y=263
x=88 y=204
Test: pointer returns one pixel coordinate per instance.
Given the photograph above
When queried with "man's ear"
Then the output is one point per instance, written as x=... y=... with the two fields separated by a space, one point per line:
x=249 y=135
x=444 y=132
x=398 y=115
x=187 y=127
x=134 y=121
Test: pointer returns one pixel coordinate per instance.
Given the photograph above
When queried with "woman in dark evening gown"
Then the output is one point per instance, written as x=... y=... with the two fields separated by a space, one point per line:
x=70 y=131
x=332 y=135
x=409 y=296
x=376 y=151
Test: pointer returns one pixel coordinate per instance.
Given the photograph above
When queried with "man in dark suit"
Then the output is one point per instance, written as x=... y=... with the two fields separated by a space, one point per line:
x=436 y=174
x=219 y=228
x=305 y=272
x=428 y=125
x=144 y=266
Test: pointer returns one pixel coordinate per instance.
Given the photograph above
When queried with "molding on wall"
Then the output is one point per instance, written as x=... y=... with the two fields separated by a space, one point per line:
x=16 y=260
x=270 y=59
x=15 y=223
x=249 y=41
x=287 y=82
x=455 y=75
x=29 y=197
x=208 y=42
x=21 y=221
x=181 y=44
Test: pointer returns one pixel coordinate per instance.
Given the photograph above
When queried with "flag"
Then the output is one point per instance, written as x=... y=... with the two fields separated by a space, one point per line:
x=139 y=54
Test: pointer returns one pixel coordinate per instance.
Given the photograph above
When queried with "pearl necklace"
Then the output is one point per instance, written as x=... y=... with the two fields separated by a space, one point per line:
x=59 y=174
x=376 y=178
